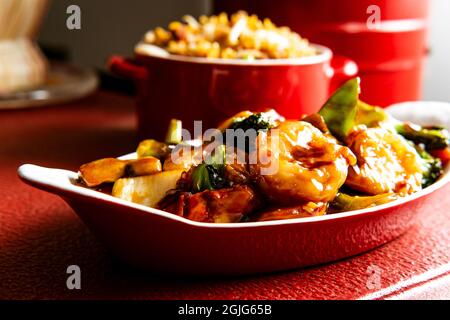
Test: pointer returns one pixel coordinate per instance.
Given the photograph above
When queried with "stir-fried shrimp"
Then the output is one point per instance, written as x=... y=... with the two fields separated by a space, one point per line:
x=386 y=162
x=312 y=166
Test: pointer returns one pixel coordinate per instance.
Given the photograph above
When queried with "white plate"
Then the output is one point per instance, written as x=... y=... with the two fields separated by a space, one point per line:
x=64 y=83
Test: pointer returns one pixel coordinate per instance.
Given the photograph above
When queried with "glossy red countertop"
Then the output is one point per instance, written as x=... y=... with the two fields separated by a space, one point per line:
x=40 y=236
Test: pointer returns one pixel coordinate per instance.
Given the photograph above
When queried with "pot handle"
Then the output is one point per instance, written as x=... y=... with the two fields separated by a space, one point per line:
x=342 y=69
x=127 y=68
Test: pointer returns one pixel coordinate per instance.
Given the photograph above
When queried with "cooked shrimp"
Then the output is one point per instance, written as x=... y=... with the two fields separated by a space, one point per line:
x=312 y=166
x=386 y=162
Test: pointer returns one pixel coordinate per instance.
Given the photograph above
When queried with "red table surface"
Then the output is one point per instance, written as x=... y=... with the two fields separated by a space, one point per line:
x=40 y=236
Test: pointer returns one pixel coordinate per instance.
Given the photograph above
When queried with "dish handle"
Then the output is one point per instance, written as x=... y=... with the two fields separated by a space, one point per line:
x=342 y=69
x=127 y=68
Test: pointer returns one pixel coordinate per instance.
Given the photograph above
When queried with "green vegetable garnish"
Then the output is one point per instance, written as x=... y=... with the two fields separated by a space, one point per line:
x=370 y=116
x=210 y=174
x=433 y=168
x=200 y=179
x=339 y=112
x=431 y=137
x=345 y=202
x=257 y=121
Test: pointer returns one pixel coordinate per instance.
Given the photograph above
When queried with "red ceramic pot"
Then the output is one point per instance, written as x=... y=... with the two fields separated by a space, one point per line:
x=390 y=58
x=191 y=88
x=304 y=15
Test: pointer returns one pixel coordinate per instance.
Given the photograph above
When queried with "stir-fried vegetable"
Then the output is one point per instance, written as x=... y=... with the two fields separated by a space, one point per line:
x=174 y=132
x=207 y=177
x=110 y=169
x=258 y=121
x=142 y=167
x=210 y=175
x=339 y=111
x=343 y=111
x=153 y=148
x=236 y=118
x=370 y=116
x=431 y=137
x=248 y=125
x=433 y=172
x=432 y=166
x=101 y=171
x=345 y=202
x=317 y=121
x=146 y=190
x=200 y=179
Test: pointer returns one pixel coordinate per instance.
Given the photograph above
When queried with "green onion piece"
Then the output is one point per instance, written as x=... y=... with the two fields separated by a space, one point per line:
x=210 y=175
x=200 y=179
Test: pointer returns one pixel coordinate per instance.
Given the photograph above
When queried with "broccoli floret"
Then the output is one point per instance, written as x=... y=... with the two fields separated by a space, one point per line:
x=257 y=121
